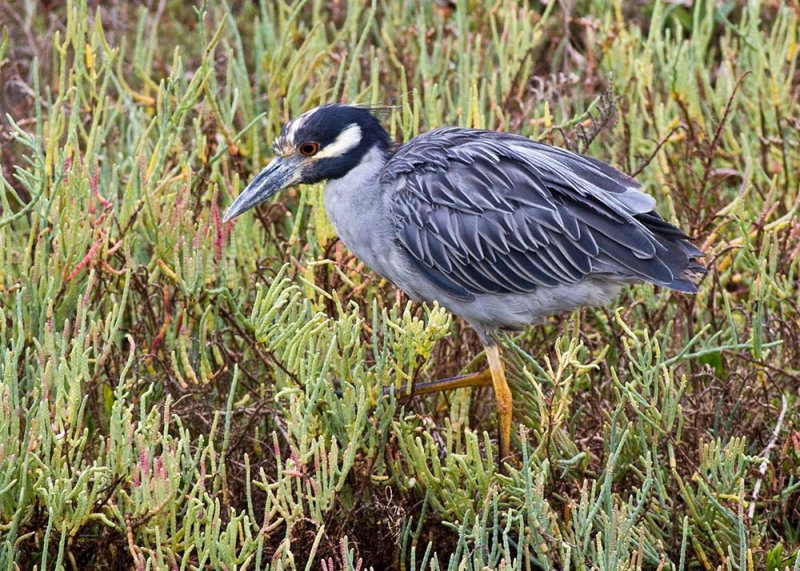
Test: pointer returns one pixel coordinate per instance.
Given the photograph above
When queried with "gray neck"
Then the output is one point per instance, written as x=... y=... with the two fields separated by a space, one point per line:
x=361 y=178
x=351 y=197
x=355 y=206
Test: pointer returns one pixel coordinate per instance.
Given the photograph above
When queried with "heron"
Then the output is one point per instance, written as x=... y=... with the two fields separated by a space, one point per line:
x=501 y=230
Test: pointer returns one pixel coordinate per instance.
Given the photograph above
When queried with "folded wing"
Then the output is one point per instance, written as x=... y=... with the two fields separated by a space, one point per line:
x=487 y=212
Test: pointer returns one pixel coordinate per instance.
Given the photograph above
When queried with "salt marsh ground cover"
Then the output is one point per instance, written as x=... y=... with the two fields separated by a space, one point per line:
x=180 y=393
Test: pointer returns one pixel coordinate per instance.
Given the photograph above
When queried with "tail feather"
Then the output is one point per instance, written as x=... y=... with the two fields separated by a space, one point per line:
x=679 y=254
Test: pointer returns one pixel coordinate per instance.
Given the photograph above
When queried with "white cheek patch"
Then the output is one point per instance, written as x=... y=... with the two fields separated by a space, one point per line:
x=347 y=140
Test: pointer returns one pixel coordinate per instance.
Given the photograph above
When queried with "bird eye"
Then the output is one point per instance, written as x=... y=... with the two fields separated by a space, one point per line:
x=309 y=149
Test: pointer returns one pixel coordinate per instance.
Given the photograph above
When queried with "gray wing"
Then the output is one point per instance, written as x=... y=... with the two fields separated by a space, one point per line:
x=487 y=212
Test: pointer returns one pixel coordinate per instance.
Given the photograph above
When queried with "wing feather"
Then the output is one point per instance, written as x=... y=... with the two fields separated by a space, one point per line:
x=486 y=212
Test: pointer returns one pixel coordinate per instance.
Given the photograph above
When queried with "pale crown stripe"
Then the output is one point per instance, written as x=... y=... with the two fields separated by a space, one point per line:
x=295 y=125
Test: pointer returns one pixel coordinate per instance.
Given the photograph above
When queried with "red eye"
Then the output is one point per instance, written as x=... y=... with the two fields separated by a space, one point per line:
x=309 y=149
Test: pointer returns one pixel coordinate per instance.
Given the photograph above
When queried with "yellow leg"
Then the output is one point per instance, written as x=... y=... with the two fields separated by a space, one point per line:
x=503 y=399
x=480 y=379
x=494 y=375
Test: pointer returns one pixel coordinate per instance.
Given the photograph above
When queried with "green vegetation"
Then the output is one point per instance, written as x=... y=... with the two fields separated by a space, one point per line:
x=176 y=393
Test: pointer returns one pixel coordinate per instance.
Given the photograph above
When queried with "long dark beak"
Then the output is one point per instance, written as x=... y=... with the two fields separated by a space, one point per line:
x=278 y=174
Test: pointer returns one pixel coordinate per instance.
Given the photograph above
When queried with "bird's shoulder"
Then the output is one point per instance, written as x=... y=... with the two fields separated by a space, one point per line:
x=484 y=170
x=434 y=151
x=448 y=150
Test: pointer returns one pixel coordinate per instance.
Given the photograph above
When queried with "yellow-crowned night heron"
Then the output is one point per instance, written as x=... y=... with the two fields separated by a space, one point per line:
x=500 y=230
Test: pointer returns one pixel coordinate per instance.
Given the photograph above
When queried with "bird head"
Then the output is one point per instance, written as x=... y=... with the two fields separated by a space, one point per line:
x=323 y=143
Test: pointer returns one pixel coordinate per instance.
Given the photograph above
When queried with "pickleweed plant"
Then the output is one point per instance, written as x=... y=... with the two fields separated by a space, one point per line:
x=179 y=392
